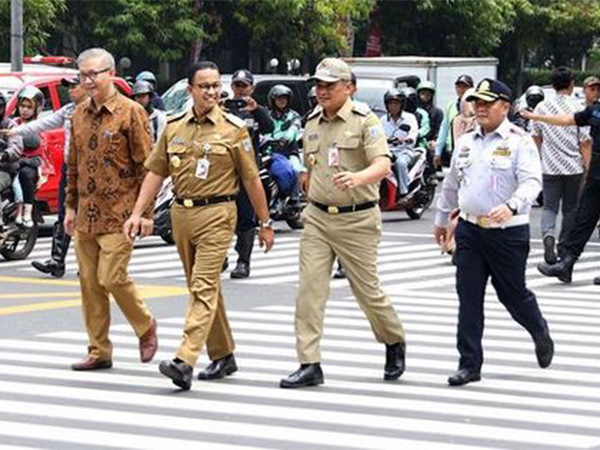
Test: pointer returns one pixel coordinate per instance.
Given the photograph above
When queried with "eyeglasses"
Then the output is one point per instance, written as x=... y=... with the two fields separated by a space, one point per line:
x=92 y=74
x=207 y=86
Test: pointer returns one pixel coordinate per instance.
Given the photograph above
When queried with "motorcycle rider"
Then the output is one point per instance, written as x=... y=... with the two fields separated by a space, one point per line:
x=412 y=106
x=55 y=266
x=11 y=149
x=143 y=92
x=34 y=161
x=311 y=96
x=426 y=92
x=402 y=131
x=533 y=95
x=258 y=123
x=287 y=132
x=148 y=76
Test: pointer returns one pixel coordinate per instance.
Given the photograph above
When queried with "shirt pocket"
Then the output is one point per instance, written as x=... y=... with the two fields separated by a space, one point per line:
x=311 y=153
x=350 y=157
x=501 y=163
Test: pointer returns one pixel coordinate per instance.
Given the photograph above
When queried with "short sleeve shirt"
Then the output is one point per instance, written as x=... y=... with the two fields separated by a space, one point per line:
x=357 y=137
x=206 y=157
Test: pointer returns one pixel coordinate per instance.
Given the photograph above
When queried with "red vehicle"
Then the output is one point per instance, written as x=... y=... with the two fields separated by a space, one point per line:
x=56 y=96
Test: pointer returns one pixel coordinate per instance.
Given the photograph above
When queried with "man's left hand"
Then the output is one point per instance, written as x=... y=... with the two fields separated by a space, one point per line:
x=346 y=180
x=499 y=214
x=147 y=227
x=266 y=238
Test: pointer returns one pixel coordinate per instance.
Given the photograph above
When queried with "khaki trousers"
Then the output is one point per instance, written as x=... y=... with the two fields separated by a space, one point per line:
x=354 y=238
x=203 y=235
x=103 y=261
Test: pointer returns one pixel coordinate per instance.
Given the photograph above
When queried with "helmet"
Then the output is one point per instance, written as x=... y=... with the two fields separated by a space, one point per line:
x=279 y=90
x=312 y=93
x=534 y=95
x=146 y=75
x=426 y=85
x=141 y=87
x=394 y=94
x=34 y=94
x=412 y=99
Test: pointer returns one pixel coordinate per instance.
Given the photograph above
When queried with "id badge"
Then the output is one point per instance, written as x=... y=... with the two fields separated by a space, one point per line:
x=333 y=157
x=202 y=168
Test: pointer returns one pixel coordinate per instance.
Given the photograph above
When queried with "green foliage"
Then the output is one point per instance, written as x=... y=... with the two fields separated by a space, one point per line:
x=300 y=28
x=542 y=77
x=39 y=18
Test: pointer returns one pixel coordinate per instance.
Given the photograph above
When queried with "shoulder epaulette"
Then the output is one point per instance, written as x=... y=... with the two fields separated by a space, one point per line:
x=315 y=112
x=176 y=117
x=235 y=120
x=361 y=108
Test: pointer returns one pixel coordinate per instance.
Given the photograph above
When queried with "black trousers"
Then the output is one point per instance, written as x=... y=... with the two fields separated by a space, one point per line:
x=62 y=194
x=586 y=218
x=499 y=253
x=28 y=176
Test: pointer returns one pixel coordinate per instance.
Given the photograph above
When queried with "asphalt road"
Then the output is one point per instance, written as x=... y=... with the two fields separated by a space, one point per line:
x=43 y=404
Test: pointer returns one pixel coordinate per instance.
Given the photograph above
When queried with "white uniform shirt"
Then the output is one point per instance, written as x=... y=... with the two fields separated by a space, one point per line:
x=491 y=170
x=392 y=129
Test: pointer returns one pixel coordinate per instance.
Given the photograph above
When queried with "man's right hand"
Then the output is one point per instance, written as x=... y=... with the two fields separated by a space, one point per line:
x=132 y=227
x=6 y=132
x=439 y=233
x=69 y=223
x=437 y=161
x=303 y=182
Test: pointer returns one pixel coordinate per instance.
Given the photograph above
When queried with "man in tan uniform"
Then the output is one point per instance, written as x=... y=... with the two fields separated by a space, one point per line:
x=346 y=154
x=109 y=142
x=207 y=152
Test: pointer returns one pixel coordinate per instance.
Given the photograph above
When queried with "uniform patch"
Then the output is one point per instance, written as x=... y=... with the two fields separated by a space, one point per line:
x=501 y=151
x=374 y=131
x=313 y=137
x=247 y=143
x=177 y=140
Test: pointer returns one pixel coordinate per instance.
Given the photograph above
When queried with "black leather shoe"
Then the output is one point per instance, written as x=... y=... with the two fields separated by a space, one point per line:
x=225 y=264
x=597 y=281
x=549 y=253
x=306 y=375
x=340 y=273
x=544 y=350
x=563 y=270
x=52 y=267
x=179 y=372
x=242 y=270
x=219 y=368
x=394 y=361
x=464 y=376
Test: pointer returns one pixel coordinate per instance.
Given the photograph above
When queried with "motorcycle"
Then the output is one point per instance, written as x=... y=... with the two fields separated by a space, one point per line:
x=280 y=204
x=18 y=241
x=421 y=186
x=162 y=212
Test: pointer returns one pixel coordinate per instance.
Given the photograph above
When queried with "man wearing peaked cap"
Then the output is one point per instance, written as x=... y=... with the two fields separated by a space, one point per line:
x=591 y=90
x=495 y=176
x=346 y=155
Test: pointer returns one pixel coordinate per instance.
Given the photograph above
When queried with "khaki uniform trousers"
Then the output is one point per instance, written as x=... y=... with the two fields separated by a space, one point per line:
x=103 y=261
x=203 y=234
x=354 y=238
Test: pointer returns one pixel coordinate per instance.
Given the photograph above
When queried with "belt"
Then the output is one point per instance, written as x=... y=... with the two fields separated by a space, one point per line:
x=343 y=209
x=484 y=222
x=191 y=202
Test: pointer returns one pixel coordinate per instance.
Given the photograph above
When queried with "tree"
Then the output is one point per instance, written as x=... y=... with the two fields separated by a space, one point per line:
x=302 y=29
x=39 y=18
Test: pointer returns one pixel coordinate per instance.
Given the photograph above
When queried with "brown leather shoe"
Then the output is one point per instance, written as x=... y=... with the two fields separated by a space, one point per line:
x=149 y=343
x=91 y=363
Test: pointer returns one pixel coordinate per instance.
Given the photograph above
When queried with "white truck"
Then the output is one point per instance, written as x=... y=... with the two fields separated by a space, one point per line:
x=377 y=75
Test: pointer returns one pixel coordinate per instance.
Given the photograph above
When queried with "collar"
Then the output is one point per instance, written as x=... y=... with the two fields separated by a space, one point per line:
x=110 y=104
x=344 y=113
x=212 y=116
x=503 y=130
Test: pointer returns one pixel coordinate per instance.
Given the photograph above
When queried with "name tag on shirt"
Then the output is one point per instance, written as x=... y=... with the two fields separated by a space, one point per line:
x=501 y=151
x=333 y=157
x=202 y=168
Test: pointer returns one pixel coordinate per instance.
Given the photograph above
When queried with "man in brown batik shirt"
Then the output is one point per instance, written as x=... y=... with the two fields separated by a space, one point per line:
x=110 y=141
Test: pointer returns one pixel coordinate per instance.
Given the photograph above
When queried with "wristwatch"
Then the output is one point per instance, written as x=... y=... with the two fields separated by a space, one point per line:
x=268 y=224
x=513 y=210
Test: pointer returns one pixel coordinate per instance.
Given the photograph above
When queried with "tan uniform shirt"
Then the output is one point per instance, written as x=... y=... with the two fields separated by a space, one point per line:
x=349 y=142
x=105 y=171
x=206 y=157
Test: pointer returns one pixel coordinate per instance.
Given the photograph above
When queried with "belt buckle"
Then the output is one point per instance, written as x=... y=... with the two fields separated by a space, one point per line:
x=188 y=202
x=333 y=210
x=483 y=222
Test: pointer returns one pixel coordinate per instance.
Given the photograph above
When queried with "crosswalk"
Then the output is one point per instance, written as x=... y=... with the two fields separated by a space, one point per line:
x=517 y=405
x=406 y=261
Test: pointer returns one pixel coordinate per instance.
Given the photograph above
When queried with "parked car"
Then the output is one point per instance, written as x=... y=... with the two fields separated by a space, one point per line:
x=56 y=96
x=177 y=99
